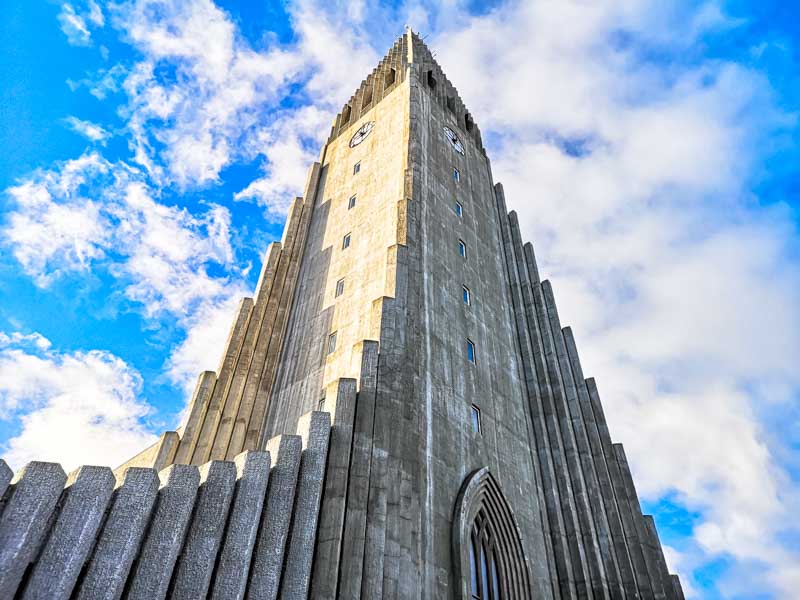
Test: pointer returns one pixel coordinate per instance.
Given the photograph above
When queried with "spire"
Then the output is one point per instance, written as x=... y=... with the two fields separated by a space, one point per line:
x=409 y=50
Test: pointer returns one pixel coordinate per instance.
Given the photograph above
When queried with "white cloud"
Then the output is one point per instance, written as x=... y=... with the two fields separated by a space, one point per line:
x=75 y=23
x=73 y=408
x=90 y=215
x=88 y=129
x=48 y=236
x=286 y=142
x=199 y=91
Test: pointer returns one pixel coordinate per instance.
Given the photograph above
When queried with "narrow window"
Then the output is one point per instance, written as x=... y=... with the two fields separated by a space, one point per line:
x=391 y=74
x=476 y=420
x=346 y=114
x=466 y=295
x=321 y=404
x=484 y=572
x=357 y=168
x=473 y=572
x=331 y=343
x=459 y=209
x=346 y=242
x=470 y=351
x=367 y=100
x=339 y=288
x=468 y=122
x=351 y=203
x=495 y=579
x=456 y=175
x=462 y=249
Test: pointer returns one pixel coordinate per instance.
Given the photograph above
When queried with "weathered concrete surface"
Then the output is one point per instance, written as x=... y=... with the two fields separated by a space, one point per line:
x=204 y=538
x=216 y=405
x=121 y=536
x=253 y=472
x=268 y=557
x=6 y=474
x=198 y=407
x=355 y=519
x=153 y=570
x=341 y=402
x=159 y=455
x=23 y=525
x=73 y=536
x=314 y=430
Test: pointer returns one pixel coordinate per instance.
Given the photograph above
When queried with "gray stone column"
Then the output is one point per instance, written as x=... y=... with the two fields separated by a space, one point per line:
x=352 y=556
x=23 y=526
x=233 y=564
x=204 y=537
x=73 y=536
x=342 y=406
x=121 y=536
x=265 y=574
x=153 y=570
x=314 y=429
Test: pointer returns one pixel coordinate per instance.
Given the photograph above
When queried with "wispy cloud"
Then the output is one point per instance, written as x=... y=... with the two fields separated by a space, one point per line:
x=91 y=214
x=73 y=408
x=200 y=92
x=76 y=23
x=87 y=129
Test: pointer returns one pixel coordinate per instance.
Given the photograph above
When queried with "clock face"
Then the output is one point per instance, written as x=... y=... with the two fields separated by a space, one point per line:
x=451 y=135
x=362 y=133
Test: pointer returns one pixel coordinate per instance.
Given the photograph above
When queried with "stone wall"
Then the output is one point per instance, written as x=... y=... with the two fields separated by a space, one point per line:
x=221 y=530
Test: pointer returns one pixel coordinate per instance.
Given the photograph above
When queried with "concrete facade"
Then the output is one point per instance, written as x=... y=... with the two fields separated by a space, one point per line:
x=402 y=302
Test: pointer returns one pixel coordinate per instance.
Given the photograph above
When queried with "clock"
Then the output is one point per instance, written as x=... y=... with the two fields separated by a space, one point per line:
x=362 y=133
x=456 y=143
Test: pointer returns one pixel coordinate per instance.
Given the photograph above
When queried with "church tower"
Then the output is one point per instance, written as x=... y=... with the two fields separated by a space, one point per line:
x=467 y=457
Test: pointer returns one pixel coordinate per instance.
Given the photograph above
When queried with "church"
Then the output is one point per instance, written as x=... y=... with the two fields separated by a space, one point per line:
x=398 y=411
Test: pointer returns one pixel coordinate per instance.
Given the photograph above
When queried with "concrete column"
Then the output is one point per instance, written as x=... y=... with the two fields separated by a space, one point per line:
x=557 y=558
x=627 y=516
x=23 y=526
x=677 y=590
x=331 y=519
x=270 y=284
x=197 y=412
x=208 y=431
x=167 y=447
x=153 y=569
x=203 y=540
x=658 y=556
x=639 y=523
x=121 y=536
x=591 y=513
x=259 y=328
x=73 y=536
x=250 y=423
x=614 y=521
x=314 y=429
x=561 y=444
x=265 y=574
x=352 y=557
x=375 y=544
x=233 y=565
x=6 y=474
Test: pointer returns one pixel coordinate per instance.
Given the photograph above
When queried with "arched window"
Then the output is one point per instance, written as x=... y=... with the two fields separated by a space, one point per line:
x=487 y=550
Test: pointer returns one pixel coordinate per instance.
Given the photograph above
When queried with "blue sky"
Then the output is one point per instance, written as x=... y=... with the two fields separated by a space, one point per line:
x=148 y=150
